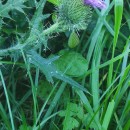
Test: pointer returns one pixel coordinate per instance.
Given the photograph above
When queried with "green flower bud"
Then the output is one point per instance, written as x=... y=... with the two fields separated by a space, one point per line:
x=73 y=40
x=73 y=14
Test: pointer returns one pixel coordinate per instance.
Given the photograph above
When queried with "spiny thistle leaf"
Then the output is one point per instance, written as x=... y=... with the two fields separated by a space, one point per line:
x=50 y=71
x=11 y=5
x=31 y=40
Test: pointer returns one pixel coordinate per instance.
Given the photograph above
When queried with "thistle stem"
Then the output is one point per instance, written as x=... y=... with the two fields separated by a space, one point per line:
x=53 y=28
x=48 y=31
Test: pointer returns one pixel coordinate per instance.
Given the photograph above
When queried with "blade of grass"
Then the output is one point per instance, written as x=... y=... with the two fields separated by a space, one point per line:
x=125 y=112
x=108 y=115
x=117 y=121
x=33 y=86
x=126 y=48
x=45 y=120
x=88 y=108
x=8 y=103
x=125 y=59
x=95 y=73
x=110 y=61
x=4 y=117
x=25 y=97
x=53 y=103
x=44 y=105
x=127 y=125
x=121 y=91
x=118 y=18
x=122 y=87
x=97 y=29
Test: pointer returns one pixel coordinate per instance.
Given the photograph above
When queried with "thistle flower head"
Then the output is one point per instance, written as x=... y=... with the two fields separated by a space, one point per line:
x=96 y=3
x=74 y=14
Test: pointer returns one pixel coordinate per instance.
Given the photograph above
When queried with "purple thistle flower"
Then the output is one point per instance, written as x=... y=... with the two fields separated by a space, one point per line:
x=96 y=3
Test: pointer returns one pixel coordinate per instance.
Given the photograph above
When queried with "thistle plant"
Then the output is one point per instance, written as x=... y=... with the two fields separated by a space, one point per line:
x=71 y=15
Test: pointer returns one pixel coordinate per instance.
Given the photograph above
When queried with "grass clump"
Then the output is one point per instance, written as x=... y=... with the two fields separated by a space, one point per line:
x=61 y=69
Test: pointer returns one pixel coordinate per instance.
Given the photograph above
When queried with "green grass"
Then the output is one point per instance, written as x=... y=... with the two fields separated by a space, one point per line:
x=48 y=84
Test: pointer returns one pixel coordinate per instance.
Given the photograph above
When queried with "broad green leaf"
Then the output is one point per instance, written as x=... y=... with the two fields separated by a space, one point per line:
x=75 y=110
x=71 y=124
x=72 y=64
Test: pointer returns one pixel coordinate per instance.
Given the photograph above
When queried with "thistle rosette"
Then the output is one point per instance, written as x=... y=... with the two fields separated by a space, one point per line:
x=74 y=14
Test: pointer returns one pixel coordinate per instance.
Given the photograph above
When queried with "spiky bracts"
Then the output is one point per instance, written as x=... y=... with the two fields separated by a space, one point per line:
x=74 y=14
